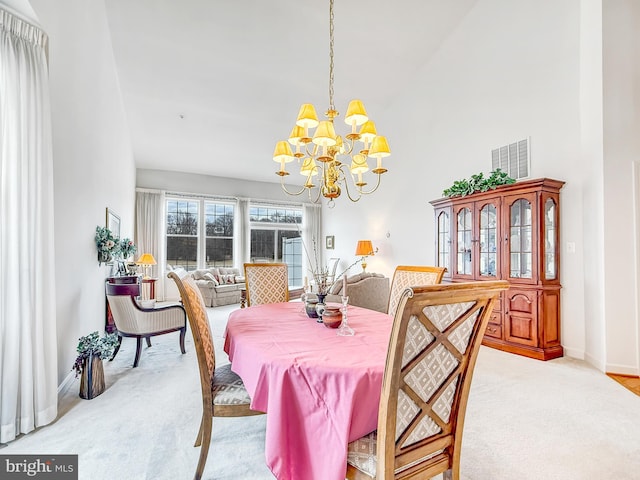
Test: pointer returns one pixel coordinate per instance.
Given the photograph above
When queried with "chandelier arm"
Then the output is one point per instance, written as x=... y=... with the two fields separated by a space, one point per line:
x=346 y=184
x=351 y=144
x=317 y=199
x=310 y=153
x=374 y=188
x=288 y=192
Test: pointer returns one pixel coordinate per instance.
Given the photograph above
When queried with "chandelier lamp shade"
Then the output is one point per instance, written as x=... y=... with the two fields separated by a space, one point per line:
x=328 y=161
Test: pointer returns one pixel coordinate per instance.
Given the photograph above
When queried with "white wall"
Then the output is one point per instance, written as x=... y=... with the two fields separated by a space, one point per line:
x=93 y=162
x=195 y=183
x=511 y=70
x=621 y=81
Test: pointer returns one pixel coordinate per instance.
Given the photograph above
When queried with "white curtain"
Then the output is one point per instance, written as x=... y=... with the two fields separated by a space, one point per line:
x=28 y=348
x=241 y=235
x=149 y=233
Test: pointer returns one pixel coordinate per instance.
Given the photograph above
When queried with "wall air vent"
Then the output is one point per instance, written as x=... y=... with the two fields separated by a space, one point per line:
x=514 y=159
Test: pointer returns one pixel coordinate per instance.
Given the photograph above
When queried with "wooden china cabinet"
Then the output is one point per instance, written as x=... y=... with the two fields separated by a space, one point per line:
x=510 y=233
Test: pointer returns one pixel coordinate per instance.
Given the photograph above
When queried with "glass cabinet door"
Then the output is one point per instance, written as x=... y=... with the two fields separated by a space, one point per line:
x=520 y=239
x=463 y=259
x=488 y=233
x=444 y=241
x=550 y=240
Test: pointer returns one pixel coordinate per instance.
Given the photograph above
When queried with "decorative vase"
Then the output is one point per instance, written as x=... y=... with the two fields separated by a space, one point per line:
x=104 y=257
x=332 y=317
x=320 y=306
x=310 y=308
x=92 y=378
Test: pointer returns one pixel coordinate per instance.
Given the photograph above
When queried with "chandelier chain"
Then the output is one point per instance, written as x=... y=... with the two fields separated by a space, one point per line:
x=331 y=105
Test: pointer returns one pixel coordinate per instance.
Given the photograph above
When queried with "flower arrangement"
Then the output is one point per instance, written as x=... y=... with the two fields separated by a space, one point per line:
x=94 y=345
x=127 y=248
x=109 y=246
x=106 y=244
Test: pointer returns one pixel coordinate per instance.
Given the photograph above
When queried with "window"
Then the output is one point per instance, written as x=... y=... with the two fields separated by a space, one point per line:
x=199 y=233
x=219 y=234
x=275 y=237
x=182 y=233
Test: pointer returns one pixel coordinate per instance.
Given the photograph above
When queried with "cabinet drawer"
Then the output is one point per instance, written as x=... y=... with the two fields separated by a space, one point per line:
x=493 y=330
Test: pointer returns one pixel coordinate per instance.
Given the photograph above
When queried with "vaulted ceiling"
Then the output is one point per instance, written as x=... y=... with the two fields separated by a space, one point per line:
x=209 y=86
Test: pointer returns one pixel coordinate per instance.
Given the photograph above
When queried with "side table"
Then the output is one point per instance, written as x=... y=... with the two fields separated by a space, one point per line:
x=152 y=287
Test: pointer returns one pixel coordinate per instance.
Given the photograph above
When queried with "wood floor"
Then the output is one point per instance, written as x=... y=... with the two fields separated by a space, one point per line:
x=629 y=382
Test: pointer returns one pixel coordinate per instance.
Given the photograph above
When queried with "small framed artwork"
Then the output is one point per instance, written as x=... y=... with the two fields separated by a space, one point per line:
x=330 y=242
x=113 y=223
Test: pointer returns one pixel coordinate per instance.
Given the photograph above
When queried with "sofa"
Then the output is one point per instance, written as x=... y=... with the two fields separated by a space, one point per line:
x=368 y=290
x=219 y=285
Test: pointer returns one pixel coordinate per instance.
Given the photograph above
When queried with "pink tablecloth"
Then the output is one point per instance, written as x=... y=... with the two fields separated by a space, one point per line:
x=320 y=391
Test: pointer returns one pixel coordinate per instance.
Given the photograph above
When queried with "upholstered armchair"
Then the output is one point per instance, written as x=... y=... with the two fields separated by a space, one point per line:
x=131 y=320
x=367 y=290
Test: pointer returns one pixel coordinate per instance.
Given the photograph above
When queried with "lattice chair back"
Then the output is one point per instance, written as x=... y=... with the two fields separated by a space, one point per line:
x=407 y=276
x=434 y=343
x=200 y=329
x=266 y=283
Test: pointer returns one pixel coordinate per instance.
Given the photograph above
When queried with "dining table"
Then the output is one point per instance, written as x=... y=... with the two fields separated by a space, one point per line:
x=319 y=390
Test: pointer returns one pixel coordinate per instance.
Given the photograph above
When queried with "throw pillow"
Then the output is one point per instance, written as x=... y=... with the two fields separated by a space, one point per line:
x=228 y=278
x=197 y=274
x=211 y=278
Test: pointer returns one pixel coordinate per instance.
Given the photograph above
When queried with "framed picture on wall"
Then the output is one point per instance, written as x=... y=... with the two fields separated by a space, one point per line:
x=113 y=223
x=329 y=242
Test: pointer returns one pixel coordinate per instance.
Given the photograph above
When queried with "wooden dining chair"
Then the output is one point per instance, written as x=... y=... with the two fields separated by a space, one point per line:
x=436 y=335
x=266 y=283
x=223 y=393
x=410 y=276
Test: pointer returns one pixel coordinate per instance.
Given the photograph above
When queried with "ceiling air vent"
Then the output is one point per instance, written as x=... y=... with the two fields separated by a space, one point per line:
x=512 y=159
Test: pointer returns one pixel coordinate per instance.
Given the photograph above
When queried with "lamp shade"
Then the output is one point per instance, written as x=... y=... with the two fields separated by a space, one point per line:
x=283 y=153
x=325 y=135
x=146 y=259
x=368 y=131
x=364 y=248
x=307 y=117
x=379 y=148
x=359 y=164
x=308 y=167
x=297 y=133
x=356 y=114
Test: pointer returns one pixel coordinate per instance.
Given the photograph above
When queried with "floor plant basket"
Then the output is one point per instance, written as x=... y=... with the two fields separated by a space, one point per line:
x=92 y=377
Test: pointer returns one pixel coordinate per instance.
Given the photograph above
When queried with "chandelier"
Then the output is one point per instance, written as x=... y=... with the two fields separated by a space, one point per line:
x=320 y=155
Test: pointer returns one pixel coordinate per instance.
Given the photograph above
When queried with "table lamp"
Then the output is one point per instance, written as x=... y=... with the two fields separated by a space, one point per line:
x=146 y=260
x=364 y=249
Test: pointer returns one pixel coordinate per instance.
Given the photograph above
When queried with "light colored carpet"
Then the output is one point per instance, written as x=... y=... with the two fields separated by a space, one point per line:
x=526 y=420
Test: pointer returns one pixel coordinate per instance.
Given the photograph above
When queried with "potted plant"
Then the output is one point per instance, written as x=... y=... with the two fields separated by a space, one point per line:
x=478 y=183
x=92 y=349
x=106 y=244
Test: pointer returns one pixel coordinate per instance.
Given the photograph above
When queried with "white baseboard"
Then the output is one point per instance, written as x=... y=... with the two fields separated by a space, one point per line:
x=595 y=362
x=66 y=383
x=622 y=369
x=574 y=353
